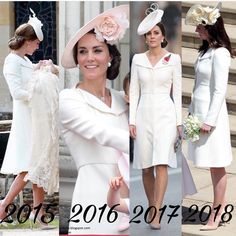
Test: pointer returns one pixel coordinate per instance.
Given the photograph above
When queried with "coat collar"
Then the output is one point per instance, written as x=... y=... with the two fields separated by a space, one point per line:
x=23 y=61
x=208 y=54
x=142 y=60
x=118 y=104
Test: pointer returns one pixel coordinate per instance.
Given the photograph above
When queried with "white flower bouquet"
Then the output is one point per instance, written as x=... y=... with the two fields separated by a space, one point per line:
x=191 y=129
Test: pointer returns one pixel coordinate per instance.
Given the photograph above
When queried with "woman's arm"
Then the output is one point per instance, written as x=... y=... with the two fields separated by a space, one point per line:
x=13 y=76
x=134 y=93
x=74 y=116
x=177 y=90
x=219 y=82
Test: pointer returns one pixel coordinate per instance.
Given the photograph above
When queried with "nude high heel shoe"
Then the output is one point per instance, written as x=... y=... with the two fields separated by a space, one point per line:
x=215 y=225
x=5 y=224
x=154 y=225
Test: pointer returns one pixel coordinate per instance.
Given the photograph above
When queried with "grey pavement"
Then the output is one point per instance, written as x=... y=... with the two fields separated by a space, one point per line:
x=172 y=197
x=204 y=197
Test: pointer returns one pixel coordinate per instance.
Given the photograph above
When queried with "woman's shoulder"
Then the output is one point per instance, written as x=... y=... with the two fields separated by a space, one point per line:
x=139 y=56
x=175 y=56
x=17 y=61
x=69 y=93
x=11 y=57
x=221 y=51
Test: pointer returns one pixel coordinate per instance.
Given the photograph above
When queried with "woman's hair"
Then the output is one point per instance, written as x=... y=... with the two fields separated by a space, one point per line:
x=217 y=38
x=113 y=70
x=23 y=32
x=126 y=83
x=163 y=31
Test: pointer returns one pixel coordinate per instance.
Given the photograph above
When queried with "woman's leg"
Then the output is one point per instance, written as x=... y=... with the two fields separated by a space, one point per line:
x=17 y=185
x=38 y=197
x=148 y=183
x=219 y=182
x=161 y=181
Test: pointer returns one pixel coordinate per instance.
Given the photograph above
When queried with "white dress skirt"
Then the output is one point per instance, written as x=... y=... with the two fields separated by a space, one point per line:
x=44 y=163
x=154 y=112
x=209 y=105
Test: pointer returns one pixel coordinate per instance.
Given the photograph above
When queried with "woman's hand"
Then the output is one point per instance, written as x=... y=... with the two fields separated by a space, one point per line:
x=180 y=131
x=206 y=128
x=38 y=65
x=132 y=131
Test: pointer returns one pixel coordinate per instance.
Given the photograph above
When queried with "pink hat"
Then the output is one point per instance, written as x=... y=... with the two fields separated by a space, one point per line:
x=109 y=25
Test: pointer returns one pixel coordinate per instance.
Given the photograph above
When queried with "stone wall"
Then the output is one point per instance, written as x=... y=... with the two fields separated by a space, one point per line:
x=6 y=29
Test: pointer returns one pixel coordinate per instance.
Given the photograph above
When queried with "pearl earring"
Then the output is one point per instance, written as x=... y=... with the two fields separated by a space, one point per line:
x=78 y=66
x=109 y=64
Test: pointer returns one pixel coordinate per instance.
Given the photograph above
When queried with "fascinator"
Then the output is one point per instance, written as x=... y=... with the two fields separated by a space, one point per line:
x=153 y=16
x=109 y=27
x=36 y=24
x=198 y=14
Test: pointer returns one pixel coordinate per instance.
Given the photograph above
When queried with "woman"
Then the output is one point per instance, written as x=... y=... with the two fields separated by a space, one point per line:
x=213 y=149
x=94 y=118
x=155 y=106
x=18 y=72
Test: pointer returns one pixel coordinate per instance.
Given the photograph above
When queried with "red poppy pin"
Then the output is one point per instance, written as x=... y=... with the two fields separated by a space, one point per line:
x=166 y=59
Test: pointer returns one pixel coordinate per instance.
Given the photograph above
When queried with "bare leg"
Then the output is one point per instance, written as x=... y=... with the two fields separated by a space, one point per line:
x=17 y=185
x=161 y=181
x=38 y=197
x=219 y=181
x=148 y=183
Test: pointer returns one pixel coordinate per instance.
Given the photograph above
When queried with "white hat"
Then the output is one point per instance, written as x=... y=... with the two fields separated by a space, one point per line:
x=36 y=24
x=109 y=25
x=198 y=14
x=154 y=15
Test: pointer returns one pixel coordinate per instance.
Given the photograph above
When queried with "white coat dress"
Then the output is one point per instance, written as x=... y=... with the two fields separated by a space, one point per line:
x=17 y=72
x=209 y=105
x=96 y=135
x=153 y=111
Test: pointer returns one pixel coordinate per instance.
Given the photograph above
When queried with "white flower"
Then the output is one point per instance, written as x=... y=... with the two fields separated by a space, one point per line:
x=192 y=127
x=202 y=15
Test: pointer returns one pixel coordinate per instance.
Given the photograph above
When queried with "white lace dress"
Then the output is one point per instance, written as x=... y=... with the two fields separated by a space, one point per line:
x=43 y=167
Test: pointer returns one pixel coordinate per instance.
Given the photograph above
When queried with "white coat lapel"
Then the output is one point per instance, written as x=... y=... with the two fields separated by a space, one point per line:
x=142 y=60
x=25 y=62
x=118 y=105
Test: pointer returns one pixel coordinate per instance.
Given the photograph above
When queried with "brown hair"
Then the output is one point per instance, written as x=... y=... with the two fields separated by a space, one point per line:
x=23 y=32
x=126 y=82
x=163 y=31
x=114 y=69
x=217 y=38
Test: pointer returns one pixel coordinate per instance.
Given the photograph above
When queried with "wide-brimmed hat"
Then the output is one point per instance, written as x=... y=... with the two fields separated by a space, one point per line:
x=109 y=26
x=154 y=15
x=37 y=25
x=198 y=14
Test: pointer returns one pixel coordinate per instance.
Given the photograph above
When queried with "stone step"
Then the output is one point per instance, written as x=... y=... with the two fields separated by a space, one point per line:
x=232 y=122
x=228 y=10
x=67 y=166
x=189 y=56
x=190 y=37
x=187 y=89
